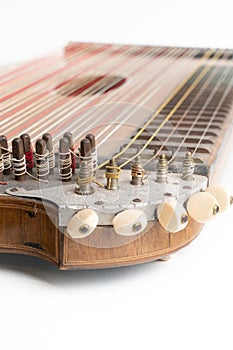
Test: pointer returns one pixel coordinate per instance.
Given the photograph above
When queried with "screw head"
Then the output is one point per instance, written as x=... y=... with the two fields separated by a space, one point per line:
x=13 y=189
x=84 y=229
x=216 y=209
x=137 y=227
x=184 y=218
x=231 y=200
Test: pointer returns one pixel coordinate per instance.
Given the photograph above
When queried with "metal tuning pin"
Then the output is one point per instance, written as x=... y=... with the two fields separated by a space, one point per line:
x=69 y=137
x=91 y=138
x=137 y=172
x=188 y=167
x=84 y=179
x=222 y=196
x=162 y=169
x=203 y=207
x=5 y=155
x=130 y=222
x=112 y=174
x=64 y=160
x=28 y=152
x=172 y=216
x=82 y=224
x=18 y=160
x=85 y=152
x=42 y=165
x=51 y=156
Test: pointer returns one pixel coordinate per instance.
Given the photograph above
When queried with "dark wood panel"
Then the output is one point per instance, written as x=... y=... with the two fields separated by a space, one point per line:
x=26 y=228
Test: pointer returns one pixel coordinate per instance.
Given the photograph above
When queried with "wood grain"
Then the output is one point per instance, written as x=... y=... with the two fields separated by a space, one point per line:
x=26 y=228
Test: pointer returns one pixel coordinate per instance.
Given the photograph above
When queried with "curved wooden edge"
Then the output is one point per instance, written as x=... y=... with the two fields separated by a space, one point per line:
x=26 y=228
x=156 y=244
x=28 y=252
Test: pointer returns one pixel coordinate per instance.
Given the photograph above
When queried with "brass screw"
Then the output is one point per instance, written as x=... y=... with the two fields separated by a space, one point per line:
x=231 y=200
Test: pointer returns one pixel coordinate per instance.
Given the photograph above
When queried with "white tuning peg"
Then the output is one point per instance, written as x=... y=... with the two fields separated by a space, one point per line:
x=202 y=207
x=222 y=195
x=172 y=215
x=130 y=222
x=83 y=223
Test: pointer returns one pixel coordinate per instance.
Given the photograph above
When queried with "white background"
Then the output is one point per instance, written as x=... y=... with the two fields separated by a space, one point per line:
x=186 y=303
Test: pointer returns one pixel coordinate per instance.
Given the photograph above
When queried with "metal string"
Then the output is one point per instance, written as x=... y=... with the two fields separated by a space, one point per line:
x=195 y=99
x=182 y=99
x=52 y=98
x=154 y=115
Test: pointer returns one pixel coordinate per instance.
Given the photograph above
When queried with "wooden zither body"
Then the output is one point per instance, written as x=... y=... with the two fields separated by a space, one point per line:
x=106 y=148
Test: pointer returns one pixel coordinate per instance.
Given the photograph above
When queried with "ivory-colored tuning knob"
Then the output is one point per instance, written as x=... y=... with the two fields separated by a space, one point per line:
x=172 y=216
x=222 y=195
x=202 y=207
x=83 y=223
x=130 y=222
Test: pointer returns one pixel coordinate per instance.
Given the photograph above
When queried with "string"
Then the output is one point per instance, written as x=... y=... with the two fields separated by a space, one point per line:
x=29 y=159
x=105 y=107
x=65 y=165
x=1 y=164
x=42 y=165
x=195 y=99
x=51 y=159
x=182 y=99
x=154 y=115
x=70 y=60
x=227 y=91
x=68 y=73
x=69 y=105
x=6 y=158
x=109 y=108
x=147 y=93
x=93 y=89
x=210 y=97
x=19 y=166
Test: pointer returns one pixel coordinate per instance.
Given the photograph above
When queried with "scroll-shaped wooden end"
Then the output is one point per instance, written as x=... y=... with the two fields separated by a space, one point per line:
x=64 y=160
x=203 y=207
x=83 y=223
x=18 y=154
x=4 y=149
x=42 y=162
x=222 y=196
x=172 y=216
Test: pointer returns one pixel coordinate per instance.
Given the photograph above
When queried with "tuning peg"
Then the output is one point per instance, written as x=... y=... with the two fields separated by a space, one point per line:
x=83 y=223
x=172 y=215
x=202 y=207
x=130 y=222
x=222 y=196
